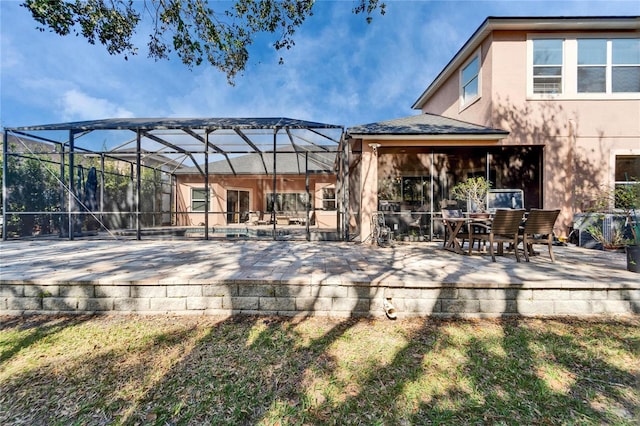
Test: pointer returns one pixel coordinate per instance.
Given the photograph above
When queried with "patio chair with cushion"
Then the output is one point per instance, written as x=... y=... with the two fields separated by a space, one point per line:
x=282 y=219
x=503 y=229
x=538 y=228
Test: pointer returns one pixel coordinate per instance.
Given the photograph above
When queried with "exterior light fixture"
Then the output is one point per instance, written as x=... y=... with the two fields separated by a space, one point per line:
x=374 y=147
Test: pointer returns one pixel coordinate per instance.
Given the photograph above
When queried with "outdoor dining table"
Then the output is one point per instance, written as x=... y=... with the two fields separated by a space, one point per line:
x=454 y=225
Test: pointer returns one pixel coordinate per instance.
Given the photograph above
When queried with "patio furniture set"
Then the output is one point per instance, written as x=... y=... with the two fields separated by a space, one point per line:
x=511 y=226
x=259 y=218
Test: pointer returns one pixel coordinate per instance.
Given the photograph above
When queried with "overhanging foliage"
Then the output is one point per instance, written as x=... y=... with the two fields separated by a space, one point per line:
x=190 y=28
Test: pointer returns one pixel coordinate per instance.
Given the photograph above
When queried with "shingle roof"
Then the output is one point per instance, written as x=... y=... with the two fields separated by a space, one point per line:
x=424 y=124
x=256 y=164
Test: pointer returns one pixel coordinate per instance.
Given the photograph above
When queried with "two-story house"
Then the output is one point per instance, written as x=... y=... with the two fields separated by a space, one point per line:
x=549 y=106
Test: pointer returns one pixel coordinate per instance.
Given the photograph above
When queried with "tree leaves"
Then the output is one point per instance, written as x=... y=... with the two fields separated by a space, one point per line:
x=112 y=23
x=190 y=28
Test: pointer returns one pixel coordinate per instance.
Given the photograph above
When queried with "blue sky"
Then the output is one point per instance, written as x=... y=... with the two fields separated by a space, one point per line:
x=341 y=71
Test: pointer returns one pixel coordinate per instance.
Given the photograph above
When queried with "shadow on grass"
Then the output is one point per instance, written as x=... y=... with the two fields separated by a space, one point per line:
x=243 y=370
x=33 y=330
x=264 y=370
x=256 y=370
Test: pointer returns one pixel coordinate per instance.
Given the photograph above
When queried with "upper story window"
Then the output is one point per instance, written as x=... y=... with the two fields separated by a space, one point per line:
x=604 y=66
x=547 y=66
x=592 y=66
x=625 y=61
x=608 y=66
x=470 y=80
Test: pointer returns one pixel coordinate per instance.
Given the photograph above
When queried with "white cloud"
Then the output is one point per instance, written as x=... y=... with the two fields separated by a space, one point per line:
x=341 y=70
x=76 y=105
x=11 y=56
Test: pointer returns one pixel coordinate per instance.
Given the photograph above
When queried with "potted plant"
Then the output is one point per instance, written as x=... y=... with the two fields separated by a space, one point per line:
x=473 y=190
x=612 y=239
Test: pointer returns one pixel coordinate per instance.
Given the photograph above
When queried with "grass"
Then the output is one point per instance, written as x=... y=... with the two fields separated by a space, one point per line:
x=270 y=371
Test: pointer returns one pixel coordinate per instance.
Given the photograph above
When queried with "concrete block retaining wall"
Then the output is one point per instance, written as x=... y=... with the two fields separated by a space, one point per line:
x=463 y=300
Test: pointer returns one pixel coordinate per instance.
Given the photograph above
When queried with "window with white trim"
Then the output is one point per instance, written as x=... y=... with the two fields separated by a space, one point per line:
x=627 y=172
x=198 y=199
x=625 y=63
x=329 y=198
x=287 y=202
x=470 y=80
x=608 y=65
x=592 y=66
x=547 y=66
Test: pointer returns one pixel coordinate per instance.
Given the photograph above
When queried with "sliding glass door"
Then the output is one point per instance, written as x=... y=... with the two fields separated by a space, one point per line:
x=237 y=206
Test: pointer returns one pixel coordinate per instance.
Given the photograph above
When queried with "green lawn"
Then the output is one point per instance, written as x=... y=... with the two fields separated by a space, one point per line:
x=250 y=370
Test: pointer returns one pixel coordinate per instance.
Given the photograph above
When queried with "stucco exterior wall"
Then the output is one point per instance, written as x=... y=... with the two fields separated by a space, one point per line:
x=581 y=133
x=446 y=101
x=258 y=187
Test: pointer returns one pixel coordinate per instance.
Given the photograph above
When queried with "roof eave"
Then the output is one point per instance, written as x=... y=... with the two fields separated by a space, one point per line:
x=430 y=137
x=529 y=24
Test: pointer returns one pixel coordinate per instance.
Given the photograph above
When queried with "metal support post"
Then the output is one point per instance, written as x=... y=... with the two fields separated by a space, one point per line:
x=206 y=186
x=72 y=190
x=306 y=185
x=102 y=182
x=275 y=193
x=5 y=198
x=345 y=186
x=138 y=186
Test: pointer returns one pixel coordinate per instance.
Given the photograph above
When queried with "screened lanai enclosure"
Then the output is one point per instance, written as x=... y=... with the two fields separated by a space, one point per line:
x=275 y=178
x=414 y=183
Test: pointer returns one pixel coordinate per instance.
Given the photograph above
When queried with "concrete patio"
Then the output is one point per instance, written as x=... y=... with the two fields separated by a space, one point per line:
x=217 y=277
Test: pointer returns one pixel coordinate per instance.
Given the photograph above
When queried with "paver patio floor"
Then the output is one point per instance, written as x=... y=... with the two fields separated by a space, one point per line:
x=189 y=261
